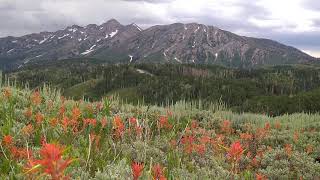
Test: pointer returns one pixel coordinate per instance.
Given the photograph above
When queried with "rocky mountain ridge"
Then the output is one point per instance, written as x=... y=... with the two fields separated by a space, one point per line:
x=113 y=42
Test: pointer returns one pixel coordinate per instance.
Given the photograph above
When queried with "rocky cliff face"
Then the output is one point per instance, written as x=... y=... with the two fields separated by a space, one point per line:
x=175 y=43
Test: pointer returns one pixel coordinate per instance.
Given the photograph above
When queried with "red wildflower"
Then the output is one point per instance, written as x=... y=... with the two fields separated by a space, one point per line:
x=99 y=106
x=158 y=172
x=76 y=113
x=51 y=162
x=246 y=136
x=27 y=130
x=54 y=122
x=267 y=126
x=260 y=177
x=201 y=149
x=36 y=98
x=39 y=118
x=50 y=104
x=288 y=149
x=62 y=110
x=296 y=136
x=164 y=122
x=19 y=153
x=90 y=108
x=7 y=140
x=173 y=143
x=133 y=121
x=139 y=130
x=7 y=92
x=235 y=151
x=43 y=140
x=194 y=124
x=28 y=113
x=95 y=139
x=309 y=149
x=277 y=125
x=92 y=122
x=137 y=169
x=226 y=127
x=103 y=122
x=254 y=162
x=205 y=139
x=65 y=123
x=118 y=126
x=187 y=139
x=63 y=99
x=188 y=148
x=261 y=133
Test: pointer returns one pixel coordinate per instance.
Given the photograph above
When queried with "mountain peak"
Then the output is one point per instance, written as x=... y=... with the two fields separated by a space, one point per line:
x=136 y=26
x=112 y=22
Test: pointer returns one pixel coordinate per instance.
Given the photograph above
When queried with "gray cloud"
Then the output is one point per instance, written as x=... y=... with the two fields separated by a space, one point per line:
x=311 y=4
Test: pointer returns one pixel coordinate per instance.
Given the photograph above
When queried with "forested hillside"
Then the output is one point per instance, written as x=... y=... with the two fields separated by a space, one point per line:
x=273 y=90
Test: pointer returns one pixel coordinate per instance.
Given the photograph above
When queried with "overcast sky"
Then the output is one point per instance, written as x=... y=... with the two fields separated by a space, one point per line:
x=293 y=22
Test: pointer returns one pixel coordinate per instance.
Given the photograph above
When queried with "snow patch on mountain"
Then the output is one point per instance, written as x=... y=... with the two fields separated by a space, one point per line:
x=177 y=59
x=197 y=29
x=73 y=30
x=61 y=37
x=89 y=50
x=10 y=50
x=131 y=58
x=44 y=40
x=112 y=34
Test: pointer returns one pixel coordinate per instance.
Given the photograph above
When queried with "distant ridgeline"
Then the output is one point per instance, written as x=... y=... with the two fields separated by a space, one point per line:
x=273 y=90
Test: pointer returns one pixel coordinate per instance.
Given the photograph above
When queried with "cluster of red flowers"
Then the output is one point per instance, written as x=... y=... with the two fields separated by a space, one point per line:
x=226 y=127
x=157 y=171
x=137 y=169
x=235 y=151
x=51 y=162
x=164 y=123
x=36 y=98
x=118 y=126
x=15 y=152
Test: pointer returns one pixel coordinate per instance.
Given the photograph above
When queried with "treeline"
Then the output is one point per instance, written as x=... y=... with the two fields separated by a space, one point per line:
x=275 y=90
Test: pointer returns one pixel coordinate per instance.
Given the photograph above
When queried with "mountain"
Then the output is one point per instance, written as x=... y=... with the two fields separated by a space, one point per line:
x=197 y=43
x=73 y=41
x=176 y=43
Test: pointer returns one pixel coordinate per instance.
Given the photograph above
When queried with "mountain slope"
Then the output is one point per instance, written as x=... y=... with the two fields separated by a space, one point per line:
x=175 y=43
x=74 y=41
x=196 y=43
